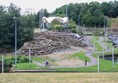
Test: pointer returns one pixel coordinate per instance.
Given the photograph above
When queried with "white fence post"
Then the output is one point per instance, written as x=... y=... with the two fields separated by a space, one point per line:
x=2 y=63
x=112 y=57
x=29 y=54
x=98 y=62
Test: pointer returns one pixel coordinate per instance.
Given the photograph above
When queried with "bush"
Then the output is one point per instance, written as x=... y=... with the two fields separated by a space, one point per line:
x=22 y=59
x=9 y=60
x=98 y=33
x=57 y=27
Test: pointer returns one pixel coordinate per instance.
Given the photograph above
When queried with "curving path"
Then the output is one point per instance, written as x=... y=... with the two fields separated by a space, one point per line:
x=92 y=62
x=89 y=52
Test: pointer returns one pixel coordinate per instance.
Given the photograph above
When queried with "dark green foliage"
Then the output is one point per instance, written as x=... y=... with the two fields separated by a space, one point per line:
x=7 y=28
x=22 y=59
x=38 y=17
x=9 y=61
x=91 y=14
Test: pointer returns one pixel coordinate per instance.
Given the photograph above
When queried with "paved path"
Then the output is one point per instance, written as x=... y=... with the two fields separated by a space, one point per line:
x=43 y=65
x=103 y=45
x=93 y=60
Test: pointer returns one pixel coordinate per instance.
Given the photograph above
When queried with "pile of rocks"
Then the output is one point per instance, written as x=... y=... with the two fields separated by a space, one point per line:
x=48 y=42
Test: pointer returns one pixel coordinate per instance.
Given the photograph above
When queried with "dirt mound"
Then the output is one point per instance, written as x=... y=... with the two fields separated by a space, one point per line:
x=48 y=42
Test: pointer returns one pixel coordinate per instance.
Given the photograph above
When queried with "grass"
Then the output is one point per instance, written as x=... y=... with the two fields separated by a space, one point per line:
x=38 y=59
x=97 y=45
x=59 y=78
x=81 y=55
x=105 y=66
x=26 y=66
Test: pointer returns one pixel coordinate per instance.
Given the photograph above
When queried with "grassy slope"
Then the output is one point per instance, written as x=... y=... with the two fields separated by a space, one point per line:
x=81 y=55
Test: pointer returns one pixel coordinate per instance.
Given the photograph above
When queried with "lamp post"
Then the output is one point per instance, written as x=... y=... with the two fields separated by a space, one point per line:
x=67 y=25
x=15 y=20
x=66 y=8
x=39 y=21
x=78 y=24
x=104 y=35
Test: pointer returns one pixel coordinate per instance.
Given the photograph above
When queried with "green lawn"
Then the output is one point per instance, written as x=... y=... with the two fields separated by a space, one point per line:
x=81 y=55
x=105 y=66
x=39 y=59
x=97 y=45
x=26 y=66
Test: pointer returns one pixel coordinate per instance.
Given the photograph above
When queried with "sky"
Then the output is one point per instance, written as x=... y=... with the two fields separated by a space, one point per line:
x=36 y=5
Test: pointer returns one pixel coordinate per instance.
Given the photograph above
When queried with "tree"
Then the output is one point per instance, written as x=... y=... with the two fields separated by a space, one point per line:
x=38 y=17
x=7 y=35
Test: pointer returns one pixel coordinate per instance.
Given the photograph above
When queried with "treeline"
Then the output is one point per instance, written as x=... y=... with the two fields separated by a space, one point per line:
x=7 y=27
x=91 y=14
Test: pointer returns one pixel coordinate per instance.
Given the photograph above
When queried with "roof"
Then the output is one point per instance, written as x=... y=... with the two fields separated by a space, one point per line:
x=50 y=19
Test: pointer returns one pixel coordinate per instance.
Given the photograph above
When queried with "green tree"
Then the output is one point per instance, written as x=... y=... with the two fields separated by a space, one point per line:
x=7 y=25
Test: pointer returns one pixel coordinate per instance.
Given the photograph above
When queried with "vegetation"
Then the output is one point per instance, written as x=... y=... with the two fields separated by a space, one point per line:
x=91 y=14
x=95 y=40
x=26 y=66
x=9 y=61
x=7 y=28
x=105 y=65
x=20 y=59
x=59 y=77
x=81 y=55
x=55 y=25
x=38 y=59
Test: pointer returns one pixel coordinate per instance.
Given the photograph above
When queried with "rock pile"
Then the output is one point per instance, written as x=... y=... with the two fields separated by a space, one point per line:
x=48 y=42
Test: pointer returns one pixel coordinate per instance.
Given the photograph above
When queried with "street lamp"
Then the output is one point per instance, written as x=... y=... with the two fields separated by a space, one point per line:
x=15 y=21
x=66 y=8
x=67 y=25
x=105 y=22
x=39 y=20
x=78 y=24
